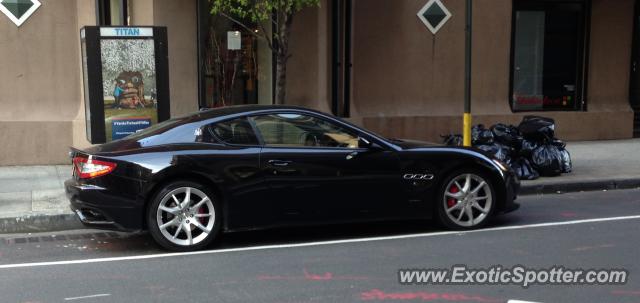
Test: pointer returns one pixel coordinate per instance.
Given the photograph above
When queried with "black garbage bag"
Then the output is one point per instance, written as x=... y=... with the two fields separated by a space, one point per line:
x=452 y=140
x=567 y=167
x=508 y=135
x=559 y=143
x=480 y=135
x=537 y=129
x=524 y=169
x=527 y=147
x=501 y=152
x=566 y=157
x=547 y=160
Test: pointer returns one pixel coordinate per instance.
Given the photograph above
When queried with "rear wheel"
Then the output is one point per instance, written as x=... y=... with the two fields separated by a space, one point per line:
x=184 y=216
x=466 y=200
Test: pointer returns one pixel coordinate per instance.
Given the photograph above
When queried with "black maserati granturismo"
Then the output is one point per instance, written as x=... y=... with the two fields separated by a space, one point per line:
x=187 y=179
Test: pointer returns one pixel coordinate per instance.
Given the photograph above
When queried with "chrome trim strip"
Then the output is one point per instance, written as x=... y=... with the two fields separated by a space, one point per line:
x=84 y=219
x=89 y=187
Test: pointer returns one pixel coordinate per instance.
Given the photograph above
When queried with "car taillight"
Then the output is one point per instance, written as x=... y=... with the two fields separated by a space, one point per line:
x=88 y=168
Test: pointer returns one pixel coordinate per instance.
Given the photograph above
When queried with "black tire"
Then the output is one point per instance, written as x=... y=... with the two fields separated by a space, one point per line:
x=442 y=201
x=164 y=240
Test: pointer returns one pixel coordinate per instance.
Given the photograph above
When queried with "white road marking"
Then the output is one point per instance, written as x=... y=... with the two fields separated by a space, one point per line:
x=319 y=243
x=87 y=297
x=520 y=301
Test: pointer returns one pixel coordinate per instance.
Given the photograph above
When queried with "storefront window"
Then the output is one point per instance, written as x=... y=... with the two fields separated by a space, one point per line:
x=235 y=65
x=548 y=55
x=112 y=12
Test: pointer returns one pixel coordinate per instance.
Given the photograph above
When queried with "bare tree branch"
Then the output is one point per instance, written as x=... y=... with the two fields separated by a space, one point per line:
x=266 y=36
x=241 y=24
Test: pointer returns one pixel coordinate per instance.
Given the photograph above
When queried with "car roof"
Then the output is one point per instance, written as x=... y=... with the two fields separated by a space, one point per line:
x=241 y=109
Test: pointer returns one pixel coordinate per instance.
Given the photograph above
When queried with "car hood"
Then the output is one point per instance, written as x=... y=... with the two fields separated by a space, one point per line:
x=411 y=144
x=415 y=144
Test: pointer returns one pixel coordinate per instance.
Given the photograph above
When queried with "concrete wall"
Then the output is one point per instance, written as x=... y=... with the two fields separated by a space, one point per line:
x=141 y=12
x=86 y=15
x=39 y=79
x=179 y=16
x=40 y=84
x=410 y=83
x=309 y=68
x=610 y=61
x=406 y=82
x=41 y=89
x=425 y=72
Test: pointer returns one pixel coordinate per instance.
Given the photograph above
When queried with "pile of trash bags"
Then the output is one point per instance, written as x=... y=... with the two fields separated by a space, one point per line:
x=530 y=148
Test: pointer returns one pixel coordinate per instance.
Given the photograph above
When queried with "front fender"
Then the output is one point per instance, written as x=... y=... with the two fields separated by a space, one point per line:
x=442 y=161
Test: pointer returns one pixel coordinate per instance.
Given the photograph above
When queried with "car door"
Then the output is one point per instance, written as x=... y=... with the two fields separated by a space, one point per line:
x=235 y=166
x=317 y=171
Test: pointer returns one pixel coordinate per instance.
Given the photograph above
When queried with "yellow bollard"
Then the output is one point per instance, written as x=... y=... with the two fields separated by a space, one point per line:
x=466 y=132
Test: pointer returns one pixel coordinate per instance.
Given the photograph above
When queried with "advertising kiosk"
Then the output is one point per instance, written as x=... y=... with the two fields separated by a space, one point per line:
x=126 y=80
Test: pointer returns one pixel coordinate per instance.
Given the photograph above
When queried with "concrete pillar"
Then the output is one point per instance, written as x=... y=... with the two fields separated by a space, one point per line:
x=179 y=16
x=86 y=12
x=141 y=12
x=309 y=69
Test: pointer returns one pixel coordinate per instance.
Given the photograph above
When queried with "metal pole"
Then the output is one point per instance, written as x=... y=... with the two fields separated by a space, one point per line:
x=201 y=10
x=123 y=13
x=336 y=59
x=99 y=11
x=467 y=80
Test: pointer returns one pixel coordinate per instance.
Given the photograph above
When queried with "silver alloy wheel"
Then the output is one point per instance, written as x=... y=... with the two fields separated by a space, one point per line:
x=467 y=200
x=185 y=216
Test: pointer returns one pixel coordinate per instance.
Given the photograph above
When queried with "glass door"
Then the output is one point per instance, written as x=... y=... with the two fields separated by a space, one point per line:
x=235 y=65
x=548 y=54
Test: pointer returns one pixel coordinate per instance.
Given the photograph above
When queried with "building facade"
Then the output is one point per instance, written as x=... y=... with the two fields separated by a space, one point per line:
x=373 y=62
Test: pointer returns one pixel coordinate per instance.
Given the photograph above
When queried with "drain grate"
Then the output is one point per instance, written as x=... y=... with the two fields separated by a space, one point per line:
x=52 y=238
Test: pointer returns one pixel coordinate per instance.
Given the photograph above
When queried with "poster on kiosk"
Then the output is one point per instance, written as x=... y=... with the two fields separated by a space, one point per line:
x=126 y=81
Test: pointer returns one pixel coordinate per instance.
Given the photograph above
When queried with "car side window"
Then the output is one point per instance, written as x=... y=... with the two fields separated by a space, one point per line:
x=295 y=130
x=237 y=132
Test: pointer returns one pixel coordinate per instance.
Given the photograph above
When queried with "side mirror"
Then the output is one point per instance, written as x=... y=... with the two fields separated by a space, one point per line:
x=364 y=143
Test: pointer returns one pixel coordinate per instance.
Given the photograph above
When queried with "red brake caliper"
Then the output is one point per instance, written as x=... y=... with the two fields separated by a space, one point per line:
x=201 y=211
x=451 y=202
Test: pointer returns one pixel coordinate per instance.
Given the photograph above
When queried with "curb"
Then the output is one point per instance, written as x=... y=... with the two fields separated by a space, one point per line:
x=29 y=223
x=578 y=186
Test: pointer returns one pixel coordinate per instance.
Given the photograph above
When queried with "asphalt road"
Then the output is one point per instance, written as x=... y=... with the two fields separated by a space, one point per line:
x=347 y=263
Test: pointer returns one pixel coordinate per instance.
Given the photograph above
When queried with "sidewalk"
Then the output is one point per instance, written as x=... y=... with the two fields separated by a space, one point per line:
x=32 y=198
x=597 y=165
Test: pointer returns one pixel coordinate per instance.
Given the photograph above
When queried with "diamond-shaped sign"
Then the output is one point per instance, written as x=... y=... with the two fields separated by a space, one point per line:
x=19 y=10
x=434 y=15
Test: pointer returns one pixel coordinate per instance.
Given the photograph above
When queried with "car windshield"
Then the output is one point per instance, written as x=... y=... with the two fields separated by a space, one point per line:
x=377 y=135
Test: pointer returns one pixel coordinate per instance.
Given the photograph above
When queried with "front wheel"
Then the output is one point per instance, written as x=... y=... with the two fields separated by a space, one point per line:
x=466 y=201
x=184 y=216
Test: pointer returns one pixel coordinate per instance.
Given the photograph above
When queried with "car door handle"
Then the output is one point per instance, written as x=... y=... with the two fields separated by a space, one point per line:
x=279 y=162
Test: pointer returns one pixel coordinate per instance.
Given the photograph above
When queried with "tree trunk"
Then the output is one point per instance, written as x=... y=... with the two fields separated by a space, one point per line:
x=281 y=78
x=282 y=56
